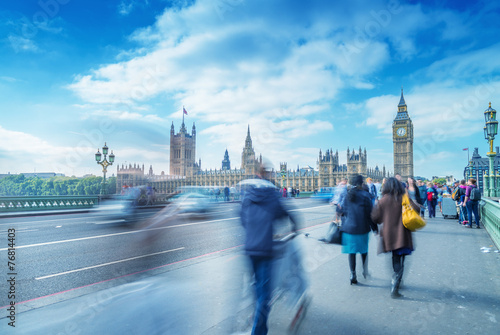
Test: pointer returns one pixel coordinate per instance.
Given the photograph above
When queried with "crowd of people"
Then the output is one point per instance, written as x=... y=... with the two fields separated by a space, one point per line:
x=377 y=207
x=362 y=206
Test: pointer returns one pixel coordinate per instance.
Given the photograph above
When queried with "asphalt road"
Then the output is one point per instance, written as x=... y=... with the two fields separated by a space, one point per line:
x=60 y=253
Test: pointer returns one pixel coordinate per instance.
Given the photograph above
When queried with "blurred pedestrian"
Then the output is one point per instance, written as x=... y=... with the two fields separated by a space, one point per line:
x=372 y=189
x=471 y=202
x=226 y=193
x=431 y=200
x=260 y=208
x=338 y=199
x=357 y=225
x=422 y=190
x=395 y=237
x=464 y=216
x=414 y=192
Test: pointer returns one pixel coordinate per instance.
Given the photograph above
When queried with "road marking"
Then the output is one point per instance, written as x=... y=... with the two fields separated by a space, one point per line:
x=116 y=234
x=20 y=231
x=105 y=264
x=139 y=231
x=305 y=209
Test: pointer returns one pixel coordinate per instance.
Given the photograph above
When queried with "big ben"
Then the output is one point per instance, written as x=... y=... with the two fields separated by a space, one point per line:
x=402 y=137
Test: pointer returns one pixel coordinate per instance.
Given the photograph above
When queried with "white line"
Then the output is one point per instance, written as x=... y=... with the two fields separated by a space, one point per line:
x=139 y=231
x=20 y=231
x=97 y=266
x=116 y=234
x=305 y=209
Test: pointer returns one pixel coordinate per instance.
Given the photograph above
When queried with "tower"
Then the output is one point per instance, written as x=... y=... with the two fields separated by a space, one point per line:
x=248 y=162
x=226 y=163
x=182 y=151
x=402 y=138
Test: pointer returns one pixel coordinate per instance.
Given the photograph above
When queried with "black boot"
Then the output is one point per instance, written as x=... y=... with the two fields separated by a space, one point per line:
x=398 y=266
x=353 y=278
x=364 y=258
x=352 y=266
x=396 y=282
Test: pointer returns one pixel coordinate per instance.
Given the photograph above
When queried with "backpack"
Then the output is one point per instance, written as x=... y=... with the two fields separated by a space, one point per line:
x=434 y=195
x=458 y=193
x=475 y=194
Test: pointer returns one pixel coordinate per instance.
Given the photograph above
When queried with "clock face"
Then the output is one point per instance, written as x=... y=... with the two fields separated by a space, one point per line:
x=401 y=131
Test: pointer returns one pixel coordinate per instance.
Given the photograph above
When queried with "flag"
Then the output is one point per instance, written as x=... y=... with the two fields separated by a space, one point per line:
x=185 y=111
x=462 y=149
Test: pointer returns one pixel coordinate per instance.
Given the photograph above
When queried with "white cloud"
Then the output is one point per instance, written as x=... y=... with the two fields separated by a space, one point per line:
x=22 y=44
x=130 y=116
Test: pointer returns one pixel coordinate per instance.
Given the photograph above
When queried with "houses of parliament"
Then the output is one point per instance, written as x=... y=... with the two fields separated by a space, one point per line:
x=186 y=171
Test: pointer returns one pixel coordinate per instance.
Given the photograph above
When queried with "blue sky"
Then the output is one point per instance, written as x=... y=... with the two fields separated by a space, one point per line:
x=305 y=75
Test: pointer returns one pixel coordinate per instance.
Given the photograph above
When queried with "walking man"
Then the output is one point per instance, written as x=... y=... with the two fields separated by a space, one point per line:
x=260 y=208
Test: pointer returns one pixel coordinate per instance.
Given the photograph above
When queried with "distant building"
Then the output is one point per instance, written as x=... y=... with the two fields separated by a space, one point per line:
x=478 y=166
x=226 y=163
x=43 y=175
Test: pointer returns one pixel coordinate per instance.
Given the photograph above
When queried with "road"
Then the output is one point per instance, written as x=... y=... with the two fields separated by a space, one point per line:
x=61 y=253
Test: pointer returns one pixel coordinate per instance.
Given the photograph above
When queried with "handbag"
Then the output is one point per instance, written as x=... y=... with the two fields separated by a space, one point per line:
x=336 y=235
x=411 y=219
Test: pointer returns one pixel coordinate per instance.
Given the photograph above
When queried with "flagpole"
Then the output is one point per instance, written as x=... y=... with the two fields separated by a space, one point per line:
x=182 y=114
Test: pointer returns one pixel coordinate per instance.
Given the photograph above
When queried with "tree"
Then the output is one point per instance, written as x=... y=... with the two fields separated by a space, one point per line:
x=441 y=181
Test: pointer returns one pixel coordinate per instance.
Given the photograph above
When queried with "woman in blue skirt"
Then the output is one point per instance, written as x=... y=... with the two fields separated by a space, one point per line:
x=358 y=223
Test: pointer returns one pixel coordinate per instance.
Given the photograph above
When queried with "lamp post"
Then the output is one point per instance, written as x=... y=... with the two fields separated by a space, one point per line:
x=490 y=131
x=104 y=163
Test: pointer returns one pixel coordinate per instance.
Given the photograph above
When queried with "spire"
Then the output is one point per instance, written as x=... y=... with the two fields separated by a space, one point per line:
x=248 y=140
x=402 y=100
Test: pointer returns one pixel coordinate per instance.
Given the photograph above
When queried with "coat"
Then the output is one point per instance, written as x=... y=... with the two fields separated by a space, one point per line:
x=394 y=234
x=260 y=207
x=357 y=213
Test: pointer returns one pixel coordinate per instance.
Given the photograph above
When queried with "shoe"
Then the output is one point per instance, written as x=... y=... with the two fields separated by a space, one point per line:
x=353 y=278
x=478 y=227
x=468 y=226
x=396 y=295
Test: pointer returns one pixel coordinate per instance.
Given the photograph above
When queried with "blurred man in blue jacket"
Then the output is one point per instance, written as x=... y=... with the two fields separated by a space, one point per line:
x=260 y=208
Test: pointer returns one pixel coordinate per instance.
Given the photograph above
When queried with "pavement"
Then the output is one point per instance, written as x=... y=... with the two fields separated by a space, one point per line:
x=451 y=286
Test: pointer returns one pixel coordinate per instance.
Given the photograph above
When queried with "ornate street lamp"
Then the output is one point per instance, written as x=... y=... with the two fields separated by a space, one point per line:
x=490 y=131
x=104 y=163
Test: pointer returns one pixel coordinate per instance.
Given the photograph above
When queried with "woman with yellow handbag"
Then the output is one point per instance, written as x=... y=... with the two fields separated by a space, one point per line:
x=396 y=238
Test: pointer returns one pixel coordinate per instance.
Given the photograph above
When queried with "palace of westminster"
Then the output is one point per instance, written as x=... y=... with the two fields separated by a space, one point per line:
x=185 y=171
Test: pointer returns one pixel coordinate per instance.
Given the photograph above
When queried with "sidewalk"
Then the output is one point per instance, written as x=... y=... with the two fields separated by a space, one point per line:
x=450 y=287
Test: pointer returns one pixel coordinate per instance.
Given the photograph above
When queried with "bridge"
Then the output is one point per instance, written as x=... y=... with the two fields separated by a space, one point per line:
x=451 y=283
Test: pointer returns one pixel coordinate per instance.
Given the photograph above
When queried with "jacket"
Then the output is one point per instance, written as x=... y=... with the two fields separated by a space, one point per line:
x=394 y=233
x=260 y=207
x=357 y=211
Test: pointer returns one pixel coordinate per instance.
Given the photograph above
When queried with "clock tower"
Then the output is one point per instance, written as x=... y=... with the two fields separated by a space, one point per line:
x=402 y=137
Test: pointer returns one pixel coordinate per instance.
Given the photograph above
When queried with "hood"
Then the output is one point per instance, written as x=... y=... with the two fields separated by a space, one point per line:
x=258 y=190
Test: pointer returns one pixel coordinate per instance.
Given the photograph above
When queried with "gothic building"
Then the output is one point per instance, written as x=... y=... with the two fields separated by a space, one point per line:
x=402 y=137
x=183 y=151
x=331 y=171
x=184 y=171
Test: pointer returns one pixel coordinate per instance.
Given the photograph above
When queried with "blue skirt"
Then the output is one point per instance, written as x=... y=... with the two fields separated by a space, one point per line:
x=354 y=243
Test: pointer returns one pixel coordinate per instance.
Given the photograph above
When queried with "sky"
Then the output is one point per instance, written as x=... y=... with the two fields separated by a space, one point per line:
x=303 y=75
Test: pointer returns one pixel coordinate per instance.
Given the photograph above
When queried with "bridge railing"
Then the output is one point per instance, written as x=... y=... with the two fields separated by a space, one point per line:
x=490 y=216
x=40 y=203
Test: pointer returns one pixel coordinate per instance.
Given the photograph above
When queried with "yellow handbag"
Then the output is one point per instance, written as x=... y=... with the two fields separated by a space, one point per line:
x=411 y=219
